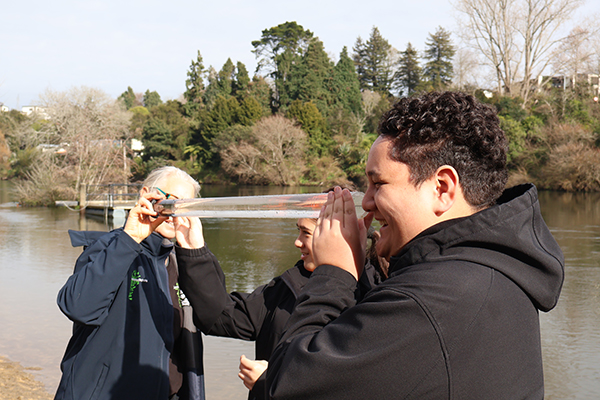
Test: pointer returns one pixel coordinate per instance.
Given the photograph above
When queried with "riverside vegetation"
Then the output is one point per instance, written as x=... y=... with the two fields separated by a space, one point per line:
x=301 y=119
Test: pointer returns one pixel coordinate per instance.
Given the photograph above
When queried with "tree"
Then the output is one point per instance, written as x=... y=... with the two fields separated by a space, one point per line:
x=516 y=37
x=466 y=70
x=575 y=53
x=310 y=79
x=226 y=78
x=277 y=51
x=130 y=99
x=212 y=90
x=345 y=87
x=92 y=127
x=408 y=75
x=241 y=81
x=158 y=141
x=438 y=69
x=312 y=122
x=271 y=152
x=194 y=84
x=151 y=99
x=374 y=60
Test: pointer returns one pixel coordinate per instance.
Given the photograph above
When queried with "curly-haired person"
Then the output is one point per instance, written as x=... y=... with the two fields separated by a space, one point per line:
x=470 y=266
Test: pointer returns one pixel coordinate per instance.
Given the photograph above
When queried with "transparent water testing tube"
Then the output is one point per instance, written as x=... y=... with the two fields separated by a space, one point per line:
x=273 y=206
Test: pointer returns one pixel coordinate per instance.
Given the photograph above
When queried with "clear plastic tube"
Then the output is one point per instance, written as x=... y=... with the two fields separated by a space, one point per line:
x=274 y=206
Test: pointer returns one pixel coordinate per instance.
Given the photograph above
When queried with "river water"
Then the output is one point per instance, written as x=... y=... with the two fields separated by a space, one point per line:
x=36 y=258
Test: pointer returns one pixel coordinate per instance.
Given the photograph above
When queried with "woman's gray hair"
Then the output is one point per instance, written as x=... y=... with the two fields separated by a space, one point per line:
x=161 y=174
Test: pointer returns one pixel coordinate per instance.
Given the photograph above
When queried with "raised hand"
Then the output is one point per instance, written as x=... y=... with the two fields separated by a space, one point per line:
x=142 y=219
x=188 y=232
x=340 y=237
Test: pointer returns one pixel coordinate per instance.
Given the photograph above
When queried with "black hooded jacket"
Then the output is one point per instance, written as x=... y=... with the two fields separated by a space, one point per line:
x=456 y=319
x=260 y=316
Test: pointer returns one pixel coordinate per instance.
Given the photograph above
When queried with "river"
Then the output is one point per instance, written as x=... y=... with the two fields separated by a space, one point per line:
x=36 y=258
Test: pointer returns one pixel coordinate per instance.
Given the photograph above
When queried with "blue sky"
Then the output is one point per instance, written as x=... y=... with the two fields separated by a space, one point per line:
x=150 y=44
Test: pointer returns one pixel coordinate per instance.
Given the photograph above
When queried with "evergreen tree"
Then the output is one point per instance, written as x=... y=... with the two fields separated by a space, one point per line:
x=310 y=80
x=226 y=78
x=129 y=98
x=277 y=51
x=241 y=81
x=408 y=75
x=212 y=89
x=223 y=114
x=158 y=141
x=345 y=86
x=312 y=122
x=438 y=69
x=151 y=99
x=374 y=62
x=194 y=85
x=260 y=89
x=250 y=111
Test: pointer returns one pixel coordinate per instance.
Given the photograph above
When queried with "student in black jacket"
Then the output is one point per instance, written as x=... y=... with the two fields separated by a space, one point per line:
x=470 y=267
x=259 y=316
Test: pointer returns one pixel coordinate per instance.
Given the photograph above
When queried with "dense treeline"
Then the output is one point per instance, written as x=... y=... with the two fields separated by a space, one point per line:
x=301 y=118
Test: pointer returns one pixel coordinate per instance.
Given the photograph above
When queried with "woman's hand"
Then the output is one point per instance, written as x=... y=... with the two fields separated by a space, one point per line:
x=251 y=370
x=188 y=232
x=142 y=219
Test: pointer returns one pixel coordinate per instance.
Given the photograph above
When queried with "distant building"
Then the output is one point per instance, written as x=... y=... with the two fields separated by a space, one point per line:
x=137 y=147
x=3 y=108
x=568 y=82
x=39 y=111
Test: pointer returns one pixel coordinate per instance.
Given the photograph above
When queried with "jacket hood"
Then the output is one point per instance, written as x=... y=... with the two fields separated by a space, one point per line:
x=510 y=237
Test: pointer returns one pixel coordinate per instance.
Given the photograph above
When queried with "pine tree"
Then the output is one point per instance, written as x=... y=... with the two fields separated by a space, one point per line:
x=194 y=85
x=438 y=69
x=241 y=81
x=310 y=79
x=129 y=98
x=278 y=50
x=408 y=75
x=226 y=78
x=151 y=99
x=374 y=62
x=345 y=86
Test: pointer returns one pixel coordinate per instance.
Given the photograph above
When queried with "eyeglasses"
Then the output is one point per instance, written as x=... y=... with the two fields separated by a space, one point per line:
x=167 y=195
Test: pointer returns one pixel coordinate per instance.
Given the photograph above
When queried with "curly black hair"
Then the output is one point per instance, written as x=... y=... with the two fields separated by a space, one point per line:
x=450 y=128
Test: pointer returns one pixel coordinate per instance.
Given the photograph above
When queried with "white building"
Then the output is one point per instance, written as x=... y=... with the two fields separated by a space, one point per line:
x=3 y=108
x=39 y=111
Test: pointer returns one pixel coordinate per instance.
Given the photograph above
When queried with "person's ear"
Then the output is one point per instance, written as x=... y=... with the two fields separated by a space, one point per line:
x=144 y=191
x=446 y=189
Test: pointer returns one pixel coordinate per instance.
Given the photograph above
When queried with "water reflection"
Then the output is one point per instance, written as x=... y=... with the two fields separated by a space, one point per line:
x=570 y=333
x=36 y=259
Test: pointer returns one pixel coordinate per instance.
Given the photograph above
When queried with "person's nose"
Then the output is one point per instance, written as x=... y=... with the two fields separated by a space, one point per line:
x=368 y=201
x=298 y=243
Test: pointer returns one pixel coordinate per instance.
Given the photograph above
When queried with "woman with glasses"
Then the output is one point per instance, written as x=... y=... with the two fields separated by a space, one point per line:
x=132 y=336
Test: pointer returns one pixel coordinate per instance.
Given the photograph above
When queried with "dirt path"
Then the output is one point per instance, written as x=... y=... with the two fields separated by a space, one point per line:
x=18 y=384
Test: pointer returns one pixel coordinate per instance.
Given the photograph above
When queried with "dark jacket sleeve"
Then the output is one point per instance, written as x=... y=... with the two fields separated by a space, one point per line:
x=99 y=272
x=236 y=315
x=334 y=349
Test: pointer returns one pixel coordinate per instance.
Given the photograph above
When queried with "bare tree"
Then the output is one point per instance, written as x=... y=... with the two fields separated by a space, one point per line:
x=515 y=36
x=489 y=27
x=271 y=152
x=91 y=127
x=574 y=53
x=466 y=69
